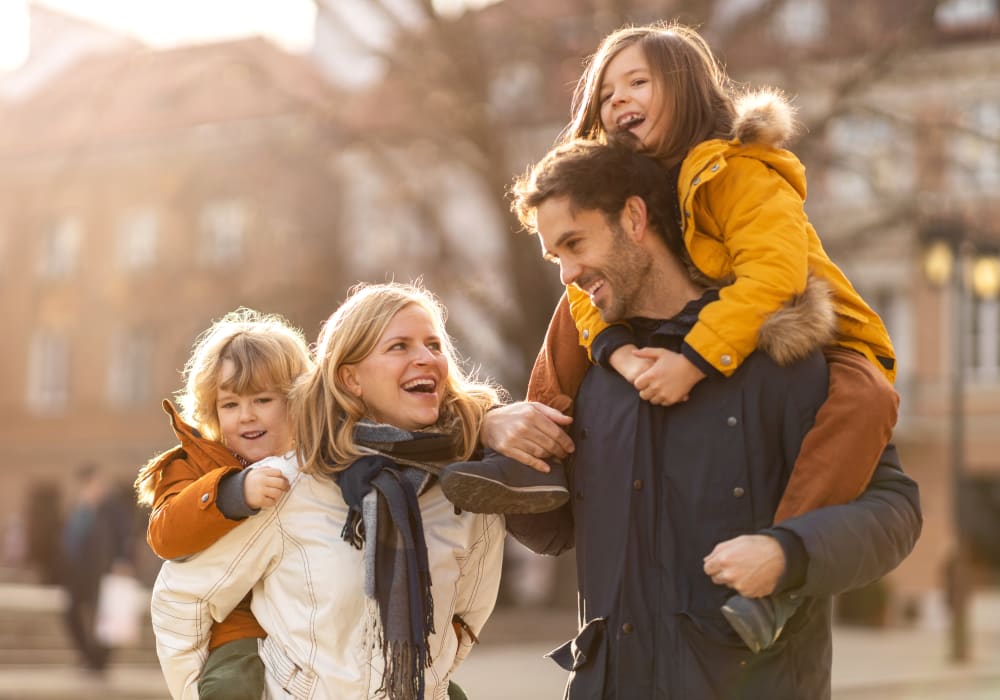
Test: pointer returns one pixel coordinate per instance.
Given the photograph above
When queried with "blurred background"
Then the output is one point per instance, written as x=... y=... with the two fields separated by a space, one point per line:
x=162 y=163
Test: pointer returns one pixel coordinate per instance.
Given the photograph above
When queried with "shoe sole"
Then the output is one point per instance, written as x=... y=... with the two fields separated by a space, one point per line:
x=747 y=634
x=477 y=494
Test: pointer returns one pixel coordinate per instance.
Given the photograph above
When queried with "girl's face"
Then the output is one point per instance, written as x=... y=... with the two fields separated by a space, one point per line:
x=629 y=100
x=254 y=426
x=402 y=381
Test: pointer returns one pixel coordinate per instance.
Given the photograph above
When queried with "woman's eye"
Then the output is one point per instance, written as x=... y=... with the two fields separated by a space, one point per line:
x=435 y=346
x=398 y=346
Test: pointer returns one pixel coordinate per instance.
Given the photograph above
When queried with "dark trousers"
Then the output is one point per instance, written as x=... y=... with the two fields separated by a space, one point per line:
x=80 y=620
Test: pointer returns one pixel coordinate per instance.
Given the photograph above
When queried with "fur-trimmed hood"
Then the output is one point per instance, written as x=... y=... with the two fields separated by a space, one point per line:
x=765 y=116
x=801 y=326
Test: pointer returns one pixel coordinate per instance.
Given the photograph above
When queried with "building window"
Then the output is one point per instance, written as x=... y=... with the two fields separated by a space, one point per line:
x=963 y=14
x=802 y=22
x=872 y=159
x=130 y=368
x=60 y=247
x=137 y=234
x=975 y=156
x=984 y=343
x=48 y=372
x=222 y=227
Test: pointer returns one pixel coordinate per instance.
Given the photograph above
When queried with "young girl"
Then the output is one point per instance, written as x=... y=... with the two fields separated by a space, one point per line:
x=740 y=200
x=366 y=578
x=235 y=406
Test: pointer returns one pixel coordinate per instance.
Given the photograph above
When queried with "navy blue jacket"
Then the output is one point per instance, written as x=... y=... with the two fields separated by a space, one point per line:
x=654 y=489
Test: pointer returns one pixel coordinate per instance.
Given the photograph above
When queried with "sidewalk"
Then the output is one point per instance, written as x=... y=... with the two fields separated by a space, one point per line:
x=895 y=664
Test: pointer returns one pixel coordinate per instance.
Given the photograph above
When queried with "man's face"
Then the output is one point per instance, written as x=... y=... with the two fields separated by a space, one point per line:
x=597 y=257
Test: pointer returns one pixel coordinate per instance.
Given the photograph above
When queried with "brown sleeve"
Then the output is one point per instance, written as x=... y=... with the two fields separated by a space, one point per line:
x=561 y=363
x=853 y=426
x=185 y=518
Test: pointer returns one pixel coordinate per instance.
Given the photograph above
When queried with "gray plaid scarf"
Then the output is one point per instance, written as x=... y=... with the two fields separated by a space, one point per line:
x=381 y=489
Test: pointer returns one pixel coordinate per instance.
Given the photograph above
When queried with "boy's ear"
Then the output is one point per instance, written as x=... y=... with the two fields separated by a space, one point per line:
x=634 y=217
x=349 y=376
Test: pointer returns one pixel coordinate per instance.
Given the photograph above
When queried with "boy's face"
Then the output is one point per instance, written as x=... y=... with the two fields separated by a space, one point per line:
x=254 y=426
x=629 y=100
x=597 y=257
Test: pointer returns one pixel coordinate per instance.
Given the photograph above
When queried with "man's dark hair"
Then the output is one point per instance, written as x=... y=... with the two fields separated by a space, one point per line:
x=602 y=176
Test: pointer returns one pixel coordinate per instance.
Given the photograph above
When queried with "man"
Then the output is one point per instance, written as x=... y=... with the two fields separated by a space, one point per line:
x=671 y=508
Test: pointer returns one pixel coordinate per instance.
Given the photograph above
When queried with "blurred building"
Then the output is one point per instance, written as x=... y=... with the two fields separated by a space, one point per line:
x=143 y=194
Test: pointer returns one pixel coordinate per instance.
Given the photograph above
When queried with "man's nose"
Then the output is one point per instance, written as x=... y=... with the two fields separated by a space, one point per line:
x=568 y=271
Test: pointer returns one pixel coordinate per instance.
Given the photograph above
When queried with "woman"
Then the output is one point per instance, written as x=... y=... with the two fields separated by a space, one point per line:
x=364 y=576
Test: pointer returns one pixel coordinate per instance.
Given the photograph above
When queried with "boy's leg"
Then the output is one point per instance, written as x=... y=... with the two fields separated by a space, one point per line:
x=835 y=463
x=498 y=484
x=233 y=671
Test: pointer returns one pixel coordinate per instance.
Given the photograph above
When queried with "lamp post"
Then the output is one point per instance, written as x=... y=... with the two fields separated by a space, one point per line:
x=953 y=260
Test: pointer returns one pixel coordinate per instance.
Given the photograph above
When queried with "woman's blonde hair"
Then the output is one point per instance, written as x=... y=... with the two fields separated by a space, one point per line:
x=692 y=86
x=324 y=411
x=268 y=354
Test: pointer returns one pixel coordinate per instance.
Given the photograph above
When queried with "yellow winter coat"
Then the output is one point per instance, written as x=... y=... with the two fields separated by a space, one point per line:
x=743 y=221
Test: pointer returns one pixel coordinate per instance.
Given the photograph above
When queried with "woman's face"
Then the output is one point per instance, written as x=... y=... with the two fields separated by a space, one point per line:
x=629 y=100
x=402 y=381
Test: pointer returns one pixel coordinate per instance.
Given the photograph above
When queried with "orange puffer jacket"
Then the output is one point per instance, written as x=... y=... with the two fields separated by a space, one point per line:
x=185 y=518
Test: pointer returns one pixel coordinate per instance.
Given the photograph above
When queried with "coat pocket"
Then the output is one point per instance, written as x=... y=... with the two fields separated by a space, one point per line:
x=298 y=682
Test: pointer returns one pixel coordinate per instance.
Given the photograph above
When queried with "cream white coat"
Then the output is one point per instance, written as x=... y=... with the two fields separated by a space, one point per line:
x=308 y=593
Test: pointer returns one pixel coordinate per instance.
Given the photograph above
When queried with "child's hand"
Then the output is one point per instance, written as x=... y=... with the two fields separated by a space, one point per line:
x=669 y=380
x=628 y=364
x=264 y=486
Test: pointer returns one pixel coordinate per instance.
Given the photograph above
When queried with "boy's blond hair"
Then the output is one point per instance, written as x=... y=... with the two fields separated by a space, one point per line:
x=268 y=354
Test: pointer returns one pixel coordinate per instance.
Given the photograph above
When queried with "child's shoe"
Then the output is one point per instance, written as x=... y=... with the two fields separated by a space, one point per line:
x=759 y=621
x=498 y=484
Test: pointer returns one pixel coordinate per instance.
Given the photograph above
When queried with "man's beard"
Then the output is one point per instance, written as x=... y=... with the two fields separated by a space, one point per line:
x=626 y=269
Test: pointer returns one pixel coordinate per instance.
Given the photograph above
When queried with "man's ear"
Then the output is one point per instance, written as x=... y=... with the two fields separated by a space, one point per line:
x=634 y=217
x=349 y=376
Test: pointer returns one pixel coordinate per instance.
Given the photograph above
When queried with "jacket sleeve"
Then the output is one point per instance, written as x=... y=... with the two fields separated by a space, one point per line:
x=765 y=232
x=185 y=517
x=857 y=543
x=544 y=533
x=190 y=595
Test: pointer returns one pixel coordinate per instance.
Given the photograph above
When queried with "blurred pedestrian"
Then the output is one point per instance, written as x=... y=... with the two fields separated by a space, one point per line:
x=96 y=540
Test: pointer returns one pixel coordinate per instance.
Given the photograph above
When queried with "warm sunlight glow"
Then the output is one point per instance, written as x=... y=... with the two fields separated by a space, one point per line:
x=13 y=34
x=169 y=22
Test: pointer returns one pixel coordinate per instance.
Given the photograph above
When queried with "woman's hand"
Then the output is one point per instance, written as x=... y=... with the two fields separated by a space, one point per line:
x=528 y=432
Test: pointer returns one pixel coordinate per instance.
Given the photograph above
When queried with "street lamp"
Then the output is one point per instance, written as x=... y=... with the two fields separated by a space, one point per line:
x=952 y=258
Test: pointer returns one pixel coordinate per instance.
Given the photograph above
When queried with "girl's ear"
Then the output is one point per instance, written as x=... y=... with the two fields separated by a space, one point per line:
x=349 y=376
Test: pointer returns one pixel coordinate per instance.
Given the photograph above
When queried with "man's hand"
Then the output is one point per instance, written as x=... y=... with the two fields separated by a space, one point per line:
x=528 y=432
x=669 y=380
x=751 y=565
x=264 y=486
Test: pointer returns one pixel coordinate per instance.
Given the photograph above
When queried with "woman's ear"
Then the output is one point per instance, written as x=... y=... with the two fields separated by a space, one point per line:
x=349 y=376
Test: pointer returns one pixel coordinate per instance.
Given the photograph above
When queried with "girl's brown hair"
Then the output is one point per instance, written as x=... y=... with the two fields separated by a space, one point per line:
x=694 y=88
x=324 y=411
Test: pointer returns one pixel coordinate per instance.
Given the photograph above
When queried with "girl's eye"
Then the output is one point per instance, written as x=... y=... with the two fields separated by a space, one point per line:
x=639 y=81
x=605 y=98
x=228 y=404
x=265 y=399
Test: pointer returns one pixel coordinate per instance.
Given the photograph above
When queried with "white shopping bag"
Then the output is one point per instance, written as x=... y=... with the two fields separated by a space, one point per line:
x=119 y=609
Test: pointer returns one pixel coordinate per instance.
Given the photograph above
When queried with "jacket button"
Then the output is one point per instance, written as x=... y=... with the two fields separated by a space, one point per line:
x=744 y=663
x=637 y=485
x=738 y=492
x=579 y=495
x=583 y=433
x=715 y=168
x=726 y=360
x=696 y=181
x=627 y=628
x=205 y=497
x=732 y=421
x=687 y=214
x=586 y=333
